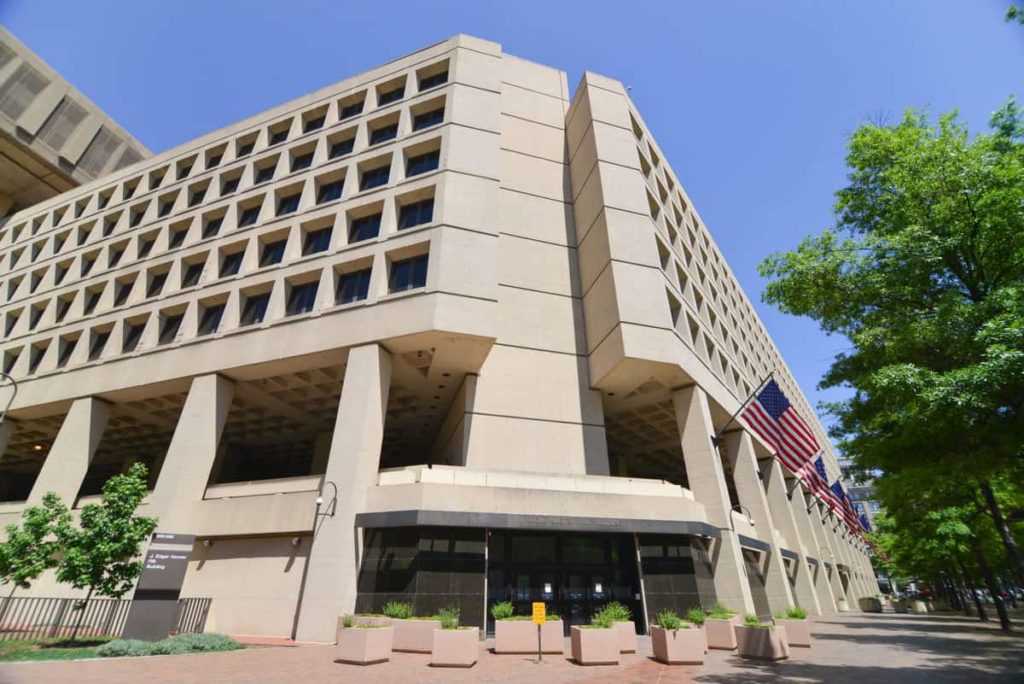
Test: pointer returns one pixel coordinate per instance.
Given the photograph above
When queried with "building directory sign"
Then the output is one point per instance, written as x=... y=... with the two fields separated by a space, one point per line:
x=154 y=608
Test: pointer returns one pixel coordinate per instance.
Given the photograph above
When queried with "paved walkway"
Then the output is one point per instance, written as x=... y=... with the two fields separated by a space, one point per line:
x=860 y=649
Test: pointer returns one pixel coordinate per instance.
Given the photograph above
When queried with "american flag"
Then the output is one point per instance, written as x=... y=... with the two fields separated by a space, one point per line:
x=865 y=523
x=845 y=507
x=777 y=422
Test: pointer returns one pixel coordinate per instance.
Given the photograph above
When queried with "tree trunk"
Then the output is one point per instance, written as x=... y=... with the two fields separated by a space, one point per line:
x=78 y=620
x=1003 y=530
x=972 y=590
x=993 y=587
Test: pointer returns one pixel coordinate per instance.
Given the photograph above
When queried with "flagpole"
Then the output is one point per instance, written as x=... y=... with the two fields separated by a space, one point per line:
x=716 y=438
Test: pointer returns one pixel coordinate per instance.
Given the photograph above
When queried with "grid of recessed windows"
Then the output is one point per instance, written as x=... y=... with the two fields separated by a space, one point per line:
x=317 y=241
x=209 y=322
x=408 y=274
x=422 y=163
x=302 y=298
x=255 y=309
x=416 y=213
x=353 y=287
x=364 y=228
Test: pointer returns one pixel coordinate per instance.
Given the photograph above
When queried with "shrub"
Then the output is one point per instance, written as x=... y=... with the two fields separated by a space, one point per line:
x=617 y=612
x=796 y=613
x=398 y=610
x=182 y=643
x=347 y=621
x=449 y=617
x=669 y=620
x=503 y=610
x=169 y=646
x=752 y=621
x=720 y=612
x=602 y=620
x=696 y=616
x=120 y=648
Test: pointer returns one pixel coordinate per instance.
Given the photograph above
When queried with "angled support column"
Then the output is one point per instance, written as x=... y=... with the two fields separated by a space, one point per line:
x=707 y=482
x=333 y=566
x=799 y=503
x=186 y=467
x=819 y=518
x=739 y=449
x=785 y=523
x=72 y=451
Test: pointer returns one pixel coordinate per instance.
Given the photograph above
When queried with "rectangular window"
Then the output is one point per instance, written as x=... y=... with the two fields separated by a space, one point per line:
x=178 y=238
x=136 y=218
x=87 y=266
x=313 y=124
x=427 y=119
x=156 y=285
x=132 y=335
x=108 y=227
x=301 y=162
x=330 y=191
x=99 y=342
x=249 y=216
x=63 y=306
x=273 y=252
x=353 y=287
x=62 y=123
x=317 y=241
x=192 y=274
x=165 y=208
x=289 y=204
x=231 y=264
x=61 y=271
x=67 y=347
x=255 y=309
x=342 y=147
x=278 y=136
x=408 y=274
x=35 y=358
x=230 y=185
x=145 y=247
x=35 y=313
x=264 y=174
x=373 y=178
x=422 y=163
x=391 y=96
x=351 y=110
x=364 y=228
x=302 y=298
x=433 y=81
x=212 y=227
x=214 y=160
x=384 y=133
x=210 y=320
x=123 y=290
x=12 y=320
x=170 y=328
x=196 y=197
x=416 y=214
x=245 y=148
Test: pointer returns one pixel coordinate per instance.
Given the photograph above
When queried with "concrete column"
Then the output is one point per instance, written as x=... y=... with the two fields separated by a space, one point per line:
x=798 y=504
x=191 y=453
x=824 y=529
x=71 y=453
x=739 y=449
x=333 y=566
x=785 y=523
x=707 y=482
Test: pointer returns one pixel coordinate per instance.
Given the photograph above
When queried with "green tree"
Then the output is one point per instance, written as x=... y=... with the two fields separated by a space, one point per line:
x=924 y=275
x=1015 y=13
x=103 y=553
x=32 y=547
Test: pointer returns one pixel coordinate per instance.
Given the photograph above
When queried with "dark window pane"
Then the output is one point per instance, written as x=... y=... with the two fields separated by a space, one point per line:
x=177 y=238
x=433 y=81
x=302 y=298
x=192 y=274
x=379 y=135
x=156 y=285
x=426 y=119
x=330 y=191
x=230 y=185
x=264 y=174
x=34 y=316
x=342 y=147
x=170 y=329
x=66 y=349
x=422 y=163
x=231 y=264
x=278 y=136
x=255 y=309
x=99 y=341
x=302 y=162
x=11 y=321
x=249 y=216
x=409 y=274
x=273 y=252
x=245 y=148
x=129 y=192
x=132 y=335
x=184 y=170
x=123 y=290
x=145 y=247
x=212 y=227
x=289 y=204
x=196 y=197
x=210 y=320
x=351 y=109
x=108 y=228
x=102 y=201
x=353 y=287
x=63 y=307
x=165 y=208
x=214 y=160
x=115 y=257
x=364 y=228
x=91 y=301
x=35 y=358
x=317 y=241
x=137 y=217
x=416 y=213
x=313 y=124
x=391 y=96
x=373 y=178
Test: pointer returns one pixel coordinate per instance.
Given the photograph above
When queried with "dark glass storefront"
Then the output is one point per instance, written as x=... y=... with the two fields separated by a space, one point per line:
x=677 y=573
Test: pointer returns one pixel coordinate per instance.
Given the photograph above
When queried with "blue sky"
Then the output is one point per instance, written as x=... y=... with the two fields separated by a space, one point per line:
x=751 y=101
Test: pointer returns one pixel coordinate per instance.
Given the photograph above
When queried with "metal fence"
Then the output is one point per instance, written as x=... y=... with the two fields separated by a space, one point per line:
x=23 y=617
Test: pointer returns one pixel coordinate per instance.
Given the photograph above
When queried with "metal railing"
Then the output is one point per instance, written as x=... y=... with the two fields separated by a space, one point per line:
x=192 y=613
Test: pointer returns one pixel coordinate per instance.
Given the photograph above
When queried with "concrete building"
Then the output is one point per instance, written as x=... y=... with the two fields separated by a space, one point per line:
x=440 y=332
x=52 y=137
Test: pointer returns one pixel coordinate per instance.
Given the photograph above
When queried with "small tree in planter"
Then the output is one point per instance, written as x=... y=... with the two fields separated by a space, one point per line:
x=720 y=627
x=596 y=643
x=624 y=626
x=414 y=635
x=798 y=629
x=761 y=640
x=517 y=633
x=454 y=646
x=103 y=553
x=31 y=547
x=364 y=642
x=675 y=641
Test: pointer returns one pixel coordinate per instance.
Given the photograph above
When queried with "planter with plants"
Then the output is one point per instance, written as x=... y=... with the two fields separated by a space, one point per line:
x=622 y=618
x=720 y=628
x=871 y=604
x=454 y=646
x=364 y=642
x=761 y=640
x=349 y=621
x=597 y=643
x=414 y=635
x=517 y=633
x=677 y=642
x=798 y=627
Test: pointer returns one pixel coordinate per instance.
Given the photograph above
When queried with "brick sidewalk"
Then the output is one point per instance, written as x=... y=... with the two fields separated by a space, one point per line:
x=855 y=649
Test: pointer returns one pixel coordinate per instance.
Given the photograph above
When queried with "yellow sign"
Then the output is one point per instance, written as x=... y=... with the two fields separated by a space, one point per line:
x=539 y=613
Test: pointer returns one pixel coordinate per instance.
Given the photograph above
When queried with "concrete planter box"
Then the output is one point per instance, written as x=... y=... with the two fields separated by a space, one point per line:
x=415 y=635
x=870 y=604
x=918 y=607
x=798 y=632
x=678 y=646
x=455 y=647
x=361 y=620
x=627 y=636
x=520 y=636
x=762 y=643
x=595 y=646
x=900 y=606
x=721 y=633
x=365 y=645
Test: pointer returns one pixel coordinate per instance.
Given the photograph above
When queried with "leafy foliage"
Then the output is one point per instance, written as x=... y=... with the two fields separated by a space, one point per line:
x=670 y=620
x=449 y=617
x=617 y=612
x=695 y=616
x=720 y=612
x=502 y=610
x=181 y=643
x=397 y=610
x=753 y=621
x=32 y=547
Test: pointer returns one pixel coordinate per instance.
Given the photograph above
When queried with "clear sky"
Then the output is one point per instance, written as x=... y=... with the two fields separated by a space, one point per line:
x=751 y=101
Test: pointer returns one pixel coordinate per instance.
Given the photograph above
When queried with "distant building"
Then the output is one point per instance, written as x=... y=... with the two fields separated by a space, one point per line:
x=52 y=137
